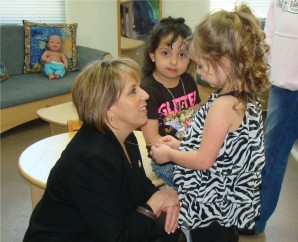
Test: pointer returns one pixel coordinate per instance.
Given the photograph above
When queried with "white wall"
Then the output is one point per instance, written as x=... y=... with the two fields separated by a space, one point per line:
x=97 y=23
x=97 y=19
x=191 y=10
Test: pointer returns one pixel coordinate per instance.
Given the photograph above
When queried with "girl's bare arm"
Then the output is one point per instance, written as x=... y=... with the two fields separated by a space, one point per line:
x=221 y=119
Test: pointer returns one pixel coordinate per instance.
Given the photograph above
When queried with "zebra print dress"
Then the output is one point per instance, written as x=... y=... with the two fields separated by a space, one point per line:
x=228 y=192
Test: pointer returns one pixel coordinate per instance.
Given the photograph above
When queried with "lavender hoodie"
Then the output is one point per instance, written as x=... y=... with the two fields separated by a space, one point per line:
x=282 y=35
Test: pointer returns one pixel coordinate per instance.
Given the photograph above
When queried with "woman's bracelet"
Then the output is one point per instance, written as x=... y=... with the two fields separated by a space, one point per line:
x=146 y=212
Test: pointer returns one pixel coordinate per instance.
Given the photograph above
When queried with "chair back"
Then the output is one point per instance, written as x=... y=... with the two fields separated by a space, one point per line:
x=74 y=125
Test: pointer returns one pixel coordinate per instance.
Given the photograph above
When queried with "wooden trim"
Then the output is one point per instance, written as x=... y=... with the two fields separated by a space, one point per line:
x=119 y=27
x=160 y=9
x=16 y=115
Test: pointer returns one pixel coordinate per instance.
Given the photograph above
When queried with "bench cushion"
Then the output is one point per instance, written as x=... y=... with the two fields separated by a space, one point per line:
x=24 y=88
x=12 y=48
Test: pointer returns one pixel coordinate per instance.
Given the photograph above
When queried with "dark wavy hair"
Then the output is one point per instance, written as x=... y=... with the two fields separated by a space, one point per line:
x=174 y=27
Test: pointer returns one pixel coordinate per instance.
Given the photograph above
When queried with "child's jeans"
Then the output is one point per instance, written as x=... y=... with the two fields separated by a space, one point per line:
x=164 y=171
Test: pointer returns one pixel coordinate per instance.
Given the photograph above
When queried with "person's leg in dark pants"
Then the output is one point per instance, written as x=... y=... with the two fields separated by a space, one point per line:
x=214 y=233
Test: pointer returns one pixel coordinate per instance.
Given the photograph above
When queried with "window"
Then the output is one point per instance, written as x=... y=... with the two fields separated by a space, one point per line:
x=41 y=11
x=260 y=7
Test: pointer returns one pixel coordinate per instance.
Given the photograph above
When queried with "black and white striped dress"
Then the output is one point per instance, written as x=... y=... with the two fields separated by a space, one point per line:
x=228 y=192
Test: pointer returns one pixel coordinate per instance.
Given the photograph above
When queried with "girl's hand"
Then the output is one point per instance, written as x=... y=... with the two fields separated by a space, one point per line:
x=171 y=141
x=159 y=152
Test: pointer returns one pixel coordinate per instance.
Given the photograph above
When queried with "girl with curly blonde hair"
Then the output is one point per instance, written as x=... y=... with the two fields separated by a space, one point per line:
x=219 y=162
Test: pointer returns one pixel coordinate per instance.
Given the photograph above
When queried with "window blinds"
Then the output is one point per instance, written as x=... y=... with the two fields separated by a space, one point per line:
x=260 y=7
x=41 y=11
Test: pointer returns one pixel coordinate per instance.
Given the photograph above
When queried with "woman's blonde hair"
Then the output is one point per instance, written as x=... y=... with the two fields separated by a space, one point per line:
x=98 y=86
x=236 y=35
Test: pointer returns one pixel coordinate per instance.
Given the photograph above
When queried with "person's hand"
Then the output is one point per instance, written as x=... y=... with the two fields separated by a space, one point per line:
x=162 y=199
x=171 y=223
x=159 y=153
x=171 y=141
x=169 y=196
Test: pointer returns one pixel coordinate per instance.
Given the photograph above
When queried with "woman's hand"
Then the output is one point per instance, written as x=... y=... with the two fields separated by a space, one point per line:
x=160 y=153
x=171 y=223
x=162 y=199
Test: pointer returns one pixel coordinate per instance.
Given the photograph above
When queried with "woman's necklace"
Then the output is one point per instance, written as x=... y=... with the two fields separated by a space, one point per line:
x=134 y=143
x=139 y=162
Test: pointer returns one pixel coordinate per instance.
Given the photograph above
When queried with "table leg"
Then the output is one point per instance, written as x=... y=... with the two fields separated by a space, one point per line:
x=36 y=195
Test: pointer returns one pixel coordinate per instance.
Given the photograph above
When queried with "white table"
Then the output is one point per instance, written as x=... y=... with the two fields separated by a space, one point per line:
x=38 y=159
x=36 y=162
x=58 y=115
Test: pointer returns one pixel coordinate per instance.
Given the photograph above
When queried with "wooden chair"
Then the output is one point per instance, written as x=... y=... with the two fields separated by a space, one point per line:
x=74 y=125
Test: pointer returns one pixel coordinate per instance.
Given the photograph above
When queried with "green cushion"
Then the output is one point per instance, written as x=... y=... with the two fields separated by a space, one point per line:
x=25 y=88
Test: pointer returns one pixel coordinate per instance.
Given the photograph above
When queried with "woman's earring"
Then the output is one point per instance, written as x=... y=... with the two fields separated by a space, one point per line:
x=110 y=115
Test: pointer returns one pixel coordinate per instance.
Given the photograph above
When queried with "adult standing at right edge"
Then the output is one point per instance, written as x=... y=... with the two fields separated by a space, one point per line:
x=282 y=116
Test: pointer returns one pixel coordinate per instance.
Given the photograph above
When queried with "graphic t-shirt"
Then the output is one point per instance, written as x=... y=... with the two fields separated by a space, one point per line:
x=173 y=107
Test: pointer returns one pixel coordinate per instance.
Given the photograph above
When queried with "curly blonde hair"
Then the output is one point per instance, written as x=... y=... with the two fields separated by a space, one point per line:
x=237 y=36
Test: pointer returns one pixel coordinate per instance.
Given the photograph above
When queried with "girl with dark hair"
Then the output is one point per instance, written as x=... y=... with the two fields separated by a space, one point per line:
x=173 y=92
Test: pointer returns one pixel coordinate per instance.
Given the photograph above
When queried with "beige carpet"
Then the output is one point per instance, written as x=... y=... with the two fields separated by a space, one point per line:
x=16 y=200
